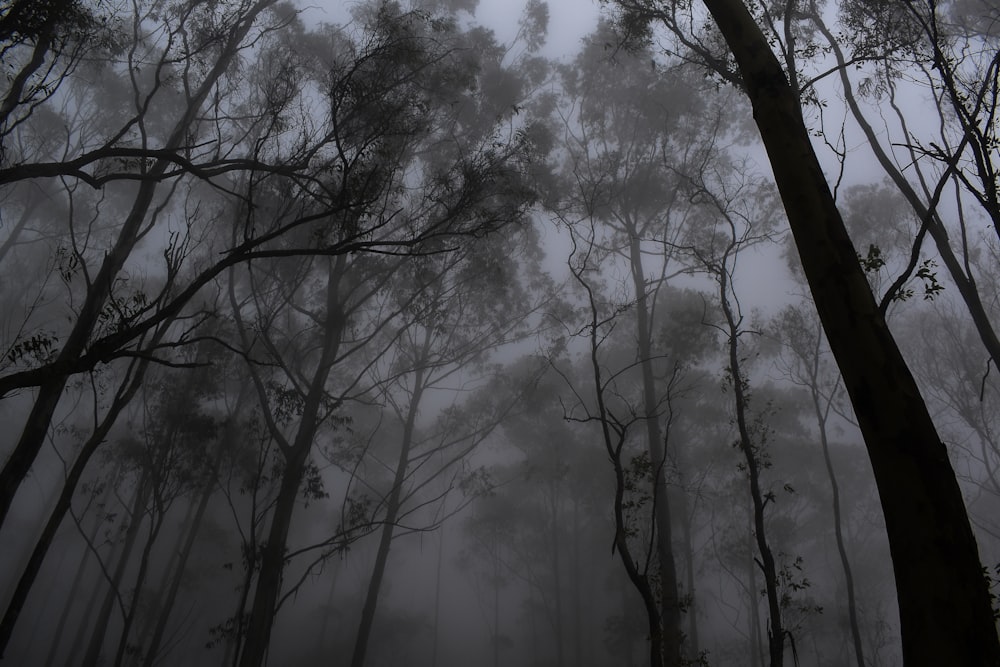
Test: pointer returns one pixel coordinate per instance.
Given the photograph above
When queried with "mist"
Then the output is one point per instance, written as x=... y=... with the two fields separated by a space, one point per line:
x=445 y=333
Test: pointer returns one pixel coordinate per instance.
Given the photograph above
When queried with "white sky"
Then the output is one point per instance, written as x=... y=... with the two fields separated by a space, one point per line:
x=569 y=20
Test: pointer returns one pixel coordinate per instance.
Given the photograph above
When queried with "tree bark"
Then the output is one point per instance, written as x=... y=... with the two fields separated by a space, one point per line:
x=944 y=603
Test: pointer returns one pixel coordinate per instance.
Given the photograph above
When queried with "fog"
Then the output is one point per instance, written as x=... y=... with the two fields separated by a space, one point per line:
x=444 y=333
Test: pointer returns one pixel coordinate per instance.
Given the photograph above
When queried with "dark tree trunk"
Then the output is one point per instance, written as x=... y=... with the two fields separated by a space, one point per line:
x=944 y=604
x=391 y=514
x=775 y=627
x=670 y=611
x=65 y=500
x=296 y=455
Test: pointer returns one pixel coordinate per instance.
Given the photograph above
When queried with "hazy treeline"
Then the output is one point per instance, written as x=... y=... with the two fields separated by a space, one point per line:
x=392 y=341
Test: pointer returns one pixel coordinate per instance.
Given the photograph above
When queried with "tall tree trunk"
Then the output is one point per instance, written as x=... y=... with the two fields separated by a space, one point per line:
x=838 y=531
x=391 y=512
x=691 y=610
x=156 y=522
x=556 y=570
x=258 y=631
x=775 y=628
x=944 y=604
x=437 y=598
x=296 y=455
x=73 y=593
x=577 y=586
x=670 y=610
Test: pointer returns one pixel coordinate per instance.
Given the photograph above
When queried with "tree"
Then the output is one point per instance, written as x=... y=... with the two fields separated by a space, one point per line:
x=433 y=177
x=630 y=135
x=804 y=342
x=944 y=604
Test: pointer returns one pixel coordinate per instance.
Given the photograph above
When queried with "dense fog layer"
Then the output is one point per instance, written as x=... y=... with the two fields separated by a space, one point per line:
x=405 y=333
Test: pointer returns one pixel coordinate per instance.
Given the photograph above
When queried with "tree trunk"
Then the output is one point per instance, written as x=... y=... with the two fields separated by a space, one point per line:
x=74 y=591
x=296 y=454
x=556 y=571
x=435 y=638
x=775 y=628
x=944 y=603
x=838 y=531
x=670 y=614
x=258 y=632
x=65 y=500
x=156 y=522
x=391 y=513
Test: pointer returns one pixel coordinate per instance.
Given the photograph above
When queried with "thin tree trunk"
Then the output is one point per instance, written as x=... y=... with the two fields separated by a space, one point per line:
x=74 y=591
x=693 y=645
x=258 y=631
x=391 y=513
x=613 y=435
x=73 y=654
x=838 y=531
x=93 y=653
x=945 y=611
x=756 y=640
x=156 y=522
x=556 y=572
x=775 y=629
x=163 y=616
x=577 y=585
x=437 y=597
x=670 y=615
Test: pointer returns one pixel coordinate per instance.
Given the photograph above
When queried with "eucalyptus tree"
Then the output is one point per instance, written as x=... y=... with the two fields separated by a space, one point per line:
x=435 y=175
x=735 y=212
x=806 y=366
x=944 y=602
x=630 y=132
x=925 y=197
x=109 y=301
x=457 y=310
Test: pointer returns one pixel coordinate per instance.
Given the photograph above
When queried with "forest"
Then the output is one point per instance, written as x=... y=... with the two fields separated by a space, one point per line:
x=390 y=332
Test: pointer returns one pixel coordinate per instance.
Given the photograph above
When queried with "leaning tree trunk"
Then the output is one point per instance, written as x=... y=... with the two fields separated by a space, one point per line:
x=944 y=604
x=391 y=515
